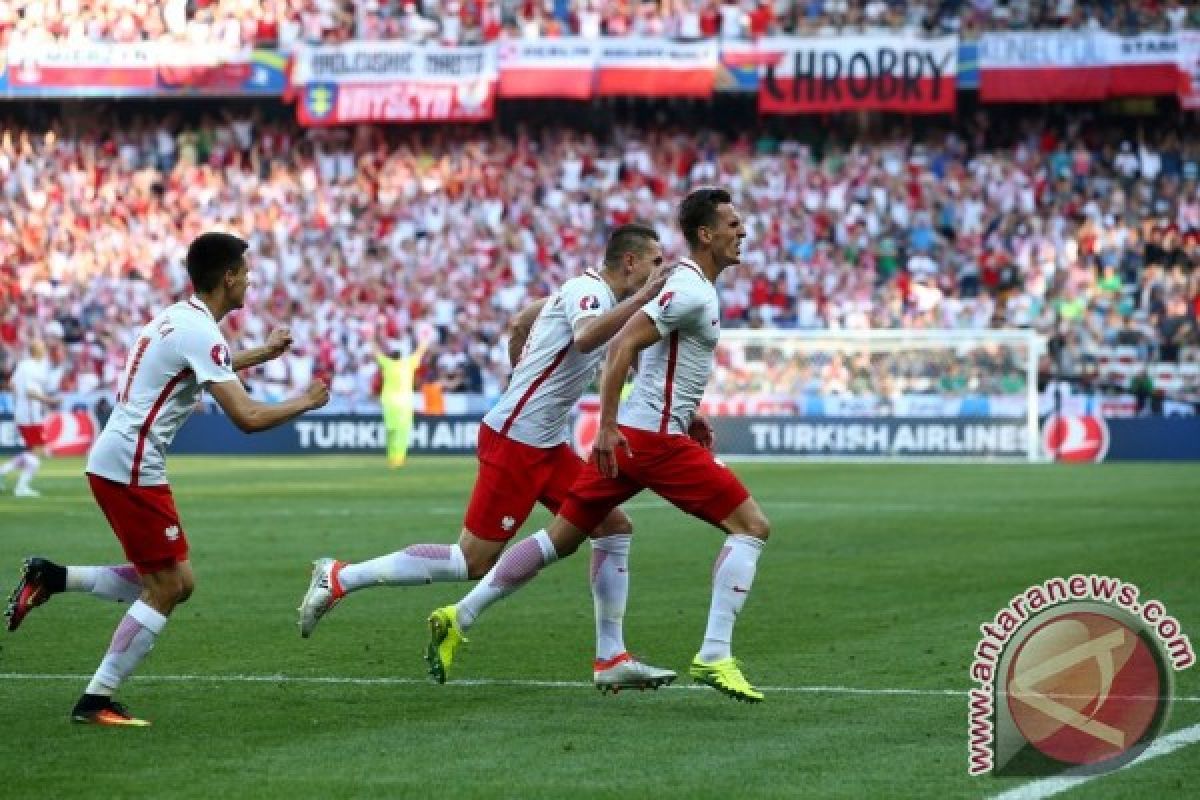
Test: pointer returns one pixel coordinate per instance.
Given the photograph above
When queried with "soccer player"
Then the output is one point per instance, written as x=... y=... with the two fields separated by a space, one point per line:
x=657 y=442
x=177 y=354
x=396 y=398
x=524 y=458
x=33 y=384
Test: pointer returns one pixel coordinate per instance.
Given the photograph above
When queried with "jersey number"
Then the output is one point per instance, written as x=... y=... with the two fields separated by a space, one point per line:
x=131 y=368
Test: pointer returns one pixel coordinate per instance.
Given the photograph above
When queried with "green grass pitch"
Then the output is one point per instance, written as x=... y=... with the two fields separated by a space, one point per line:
x=876 y=577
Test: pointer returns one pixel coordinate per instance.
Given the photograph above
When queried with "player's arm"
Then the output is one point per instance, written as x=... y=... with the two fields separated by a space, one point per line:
x=251 y=416
x=594 y=332
x=520 y=327
x=39 y=396
x=277 y=344
x=638 y=333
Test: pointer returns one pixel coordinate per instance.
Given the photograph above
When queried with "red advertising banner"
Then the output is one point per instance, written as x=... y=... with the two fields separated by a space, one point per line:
x=858 y=73
x=394 y=82
x=399 y=101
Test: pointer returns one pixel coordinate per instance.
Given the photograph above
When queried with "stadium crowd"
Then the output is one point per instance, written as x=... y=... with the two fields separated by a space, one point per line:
x=360 y=238
x=285 y=23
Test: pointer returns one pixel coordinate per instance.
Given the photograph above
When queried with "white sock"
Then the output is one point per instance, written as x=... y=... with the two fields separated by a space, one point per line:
x=131 y=642
x=732 y=576
x=414 y=565
x=514 y=569
x=28 y=469
x=610 y=590
x=11 y=464
x=119 y=583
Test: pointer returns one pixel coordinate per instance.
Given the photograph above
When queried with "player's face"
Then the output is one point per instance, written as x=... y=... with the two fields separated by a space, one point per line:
x=727 y=235
x=643 y=263
x=237 y=282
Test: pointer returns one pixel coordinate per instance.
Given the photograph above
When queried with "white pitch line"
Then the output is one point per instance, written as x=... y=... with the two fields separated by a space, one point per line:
x=538 y=684
x=339 y=680
x=1048 y=787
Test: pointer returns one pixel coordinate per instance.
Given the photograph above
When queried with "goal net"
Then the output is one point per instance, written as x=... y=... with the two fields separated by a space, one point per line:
x=877 y=394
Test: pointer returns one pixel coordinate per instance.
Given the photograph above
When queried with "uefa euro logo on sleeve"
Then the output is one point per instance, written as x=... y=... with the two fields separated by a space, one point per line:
x=1075 y=679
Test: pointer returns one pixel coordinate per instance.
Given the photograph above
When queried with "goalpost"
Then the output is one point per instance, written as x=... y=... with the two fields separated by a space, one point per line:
x=877 y=394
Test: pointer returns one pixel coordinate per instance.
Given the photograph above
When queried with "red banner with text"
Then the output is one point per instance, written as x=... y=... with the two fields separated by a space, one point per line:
x=857 y=73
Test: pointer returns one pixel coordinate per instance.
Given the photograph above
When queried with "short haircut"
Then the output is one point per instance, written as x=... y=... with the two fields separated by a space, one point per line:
x=699 y=210
x=210 y=256
x=632 y=237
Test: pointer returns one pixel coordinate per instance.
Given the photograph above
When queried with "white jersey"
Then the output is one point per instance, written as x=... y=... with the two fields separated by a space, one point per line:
x=673 y=372
x=175 y=355
x=32 y=375
x=551 y=374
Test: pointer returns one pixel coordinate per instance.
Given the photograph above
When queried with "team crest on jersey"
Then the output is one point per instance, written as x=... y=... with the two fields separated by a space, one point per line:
x=664 y=300
x=220 y=355
x=589 y=303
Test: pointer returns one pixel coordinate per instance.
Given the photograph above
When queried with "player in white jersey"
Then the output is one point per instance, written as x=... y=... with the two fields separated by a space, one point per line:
x=524 y=458
x=658 y=442
x=180 y=353
x=33 y=383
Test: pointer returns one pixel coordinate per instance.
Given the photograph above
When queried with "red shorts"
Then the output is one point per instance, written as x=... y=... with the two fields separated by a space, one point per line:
x=673 y=466
x=512 y=477
x=145 y=520
x=33 y=435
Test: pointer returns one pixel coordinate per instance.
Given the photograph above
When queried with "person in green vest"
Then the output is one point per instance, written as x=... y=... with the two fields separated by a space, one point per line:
x=396 y=397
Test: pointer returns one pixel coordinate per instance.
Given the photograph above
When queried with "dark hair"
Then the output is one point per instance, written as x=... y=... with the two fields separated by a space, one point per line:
x=210 y=256
x=699 y=209
x=627 y=238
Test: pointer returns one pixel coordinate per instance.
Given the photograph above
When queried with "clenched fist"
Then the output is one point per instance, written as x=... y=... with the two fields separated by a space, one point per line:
x=279 y=342
x=317 y=395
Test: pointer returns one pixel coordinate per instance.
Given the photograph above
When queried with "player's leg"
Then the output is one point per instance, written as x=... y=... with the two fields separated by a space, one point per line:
x=147 y=524
x=590 y=500
x=516 y=568
x=691 y=478
x=398 y=421
x=11 y=464
x=501 y=500
x=41 y=578
x=134 y=638
x=746 y=530
x=512 y=477
x=608 y=575
x=28 y=462
x=614 y=668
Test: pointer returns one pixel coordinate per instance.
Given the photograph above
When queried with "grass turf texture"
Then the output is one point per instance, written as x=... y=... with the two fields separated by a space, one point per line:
x=876 y=576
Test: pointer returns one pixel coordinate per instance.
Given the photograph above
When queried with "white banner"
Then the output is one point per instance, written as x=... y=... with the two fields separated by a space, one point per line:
x=393 y=62
x=567 y=52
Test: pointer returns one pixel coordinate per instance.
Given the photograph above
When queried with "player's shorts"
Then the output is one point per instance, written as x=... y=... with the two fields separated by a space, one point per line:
x=512 y=477
x=32 y=435
x=673 y=466
x=145 y=520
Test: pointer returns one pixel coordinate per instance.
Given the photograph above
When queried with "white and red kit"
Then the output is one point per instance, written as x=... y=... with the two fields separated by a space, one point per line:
x=174 y=357
x=32 y=375
x=672 y=375
x=524 y=455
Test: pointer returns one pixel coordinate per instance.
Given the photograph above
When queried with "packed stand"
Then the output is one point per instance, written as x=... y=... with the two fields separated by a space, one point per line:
x=362 y=239
x=286 y=23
